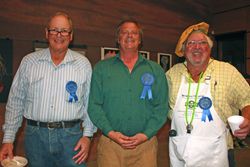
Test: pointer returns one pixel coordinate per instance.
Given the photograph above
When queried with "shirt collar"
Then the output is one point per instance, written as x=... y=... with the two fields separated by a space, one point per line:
x=140 y=58
x=46 y=56
x=208 y=71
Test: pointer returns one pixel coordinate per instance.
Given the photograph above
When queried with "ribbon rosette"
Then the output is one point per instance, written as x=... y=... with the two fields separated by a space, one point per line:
x=71 y=87
x=147 y=80
x=205 y=103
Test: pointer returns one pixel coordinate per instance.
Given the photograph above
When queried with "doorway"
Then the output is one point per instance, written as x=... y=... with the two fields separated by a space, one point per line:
x=231 y=48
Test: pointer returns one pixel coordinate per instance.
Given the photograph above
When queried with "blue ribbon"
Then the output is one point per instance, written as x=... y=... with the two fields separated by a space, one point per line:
x=147 y=80
x=71 y=88
x=206 y=113
x=205 y=103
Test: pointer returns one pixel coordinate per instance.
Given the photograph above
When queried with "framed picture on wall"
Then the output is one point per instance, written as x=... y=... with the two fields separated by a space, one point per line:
x=6 y=61
x=38 y=45
x=107 y=52
x=165 y=60
x=145 y=54
x=82 y=49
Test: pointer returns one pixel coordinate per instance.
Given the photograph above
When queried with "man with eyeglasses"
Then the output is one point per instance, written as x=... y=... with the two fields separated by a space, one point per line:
x=203 y=93
x=51 y=90
x=128 y=102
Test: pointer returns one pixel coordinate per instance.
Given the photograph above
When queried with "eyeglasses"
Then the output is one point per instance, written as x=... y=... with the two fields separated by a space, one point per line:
x=129 y=32
x=63 y=32
x=193 y=43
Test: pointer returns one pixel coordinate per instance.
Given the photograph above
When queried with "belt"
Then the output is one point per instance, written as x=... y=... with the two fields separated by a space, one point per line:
x=62 y=124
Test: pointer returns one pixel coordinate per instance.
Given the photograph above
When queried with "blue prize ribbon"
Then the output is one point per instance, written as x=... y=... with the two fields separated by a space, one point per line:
x=71 y=88
x=205 y=103
x=147 y=80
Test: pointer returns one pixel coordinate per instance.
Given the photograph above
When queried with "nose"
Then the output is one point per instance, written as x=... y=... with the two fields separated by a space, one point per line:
x=59 y=33
x=197 y=45
x=130 y=34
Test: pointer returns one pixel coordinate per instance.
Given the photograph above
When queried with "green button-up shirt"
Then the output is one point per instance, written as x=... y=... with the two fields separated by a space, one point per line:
x=115 y=103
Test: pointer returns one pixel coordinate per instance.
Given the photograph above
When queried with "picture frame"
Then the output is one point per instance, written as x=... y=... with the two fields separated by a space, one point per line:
x=145 y=54
x=164 y=60
x=107 y=52
x=6 y=65
x=38 y=45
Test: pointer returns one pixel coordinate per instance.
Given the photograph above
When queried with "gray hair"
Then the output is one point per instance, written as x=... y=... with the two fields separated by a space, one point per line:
x=209 y=41
x=61 y=14
x=118 y=29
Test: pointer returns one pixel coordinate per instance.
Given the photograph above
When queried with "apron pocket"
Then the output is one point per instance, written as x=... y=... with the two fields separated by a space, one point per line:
x=198 y=151
x=206 y=151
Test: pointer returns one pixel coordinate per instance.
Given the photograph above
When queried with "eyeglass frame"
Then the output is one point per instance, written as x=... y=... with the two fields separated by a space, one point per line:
x=57 y=31
x=193 y=43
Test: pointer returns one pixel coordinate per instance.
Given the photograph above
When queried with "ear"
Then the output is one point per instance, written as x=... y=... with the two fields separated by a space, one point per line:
x=46 y=33
x=71 y=37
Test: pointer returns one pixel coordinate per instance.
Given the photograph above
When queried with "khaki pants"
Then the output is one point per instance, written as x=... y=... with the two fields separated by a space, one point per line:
x=110 y=154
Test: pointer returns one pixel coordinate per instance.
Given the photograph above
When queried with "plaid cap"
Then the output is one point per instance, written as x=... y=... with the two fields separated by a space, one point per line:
x=200 y=26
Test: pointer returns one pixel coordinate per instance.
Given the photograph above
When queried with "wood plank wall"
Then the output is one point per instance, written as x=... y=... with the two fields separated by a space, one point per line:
x=229 y=17
x=95 y=22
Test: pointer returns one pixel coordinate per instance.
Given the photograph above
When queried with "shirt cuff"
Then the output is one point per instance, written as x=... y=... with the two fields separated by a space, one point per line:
x=9 y=137
x=89 y=131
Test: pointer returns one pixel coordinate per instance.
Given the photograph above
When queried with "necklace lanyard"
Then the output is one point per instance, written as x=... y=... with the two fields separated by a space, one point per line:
x=195 y=101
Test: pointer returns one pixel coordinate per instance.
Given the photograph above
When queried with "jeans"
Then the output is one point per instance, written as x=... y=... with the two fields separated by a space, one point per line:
x=46 y=147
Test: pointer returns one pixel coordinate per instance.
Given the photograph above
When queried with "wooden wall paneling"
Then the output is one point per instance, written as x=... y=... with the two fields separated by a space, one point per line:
x=248 y=18
x=95 y=21
x=248 y=66
x=248 y=53
x=230 y=21
x=248 y=45
x=227 y=5
x=94 y=25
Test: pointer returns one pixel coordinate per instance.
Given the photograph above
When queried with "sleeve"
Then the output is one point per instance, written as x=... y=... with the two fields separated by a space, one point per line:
x=89 y=127
x=159 y=106
x=96 y=99
x=240 y=90
x=15 y=105
x=171 y=97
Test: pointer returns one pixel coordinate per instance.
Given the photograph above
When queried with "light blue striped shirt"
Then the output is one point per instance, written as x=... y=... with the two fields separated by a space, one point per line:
x=38 y=92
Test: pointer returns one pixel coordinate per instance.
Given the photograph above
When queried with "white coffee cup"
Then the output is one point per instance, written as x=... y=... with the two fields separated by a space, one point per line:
x=234 y=122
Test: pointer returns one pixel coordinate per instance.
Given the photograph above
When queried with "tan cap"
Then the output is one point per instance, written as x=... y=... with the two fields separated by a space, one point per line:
x=201 y=26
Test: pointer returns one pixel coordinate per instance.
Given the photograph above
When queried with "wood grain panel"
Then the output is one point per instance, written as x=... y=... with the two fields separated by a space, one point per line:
x=95 y=21
x=228 y=5
x=248 y=66
x=248 y=46
x=231 y=21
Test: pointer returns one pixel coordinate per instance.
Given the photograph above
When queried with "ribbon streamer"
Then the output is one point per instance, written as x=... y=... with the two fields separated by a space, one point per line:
x=205 y=103
x=147 y=80
x=71 y=88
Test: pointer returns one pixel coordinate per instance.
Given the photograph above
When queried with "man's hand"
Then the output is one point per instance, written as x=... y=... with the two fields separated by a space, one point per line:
x=244 y=129
x=6 y=151
x=138 y=139
x=124 y=141
x=83 y=146
x=127 y=142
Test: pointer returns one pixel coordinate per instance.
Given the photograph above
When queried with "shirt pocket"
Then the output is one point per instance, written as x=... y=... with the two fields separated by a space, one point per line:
x=36 y=87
